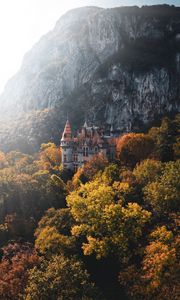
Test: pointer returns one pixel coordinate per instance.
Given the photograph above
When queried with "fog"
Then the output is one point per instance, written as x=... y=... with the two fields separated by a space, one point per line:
x=23 y=22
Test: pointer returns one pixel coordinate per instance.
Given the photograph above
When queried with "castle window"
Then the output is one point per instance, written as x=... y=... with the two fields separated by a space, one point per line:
x=75 y=157
x=75 y=168
x=85 y=151
x=65 y=158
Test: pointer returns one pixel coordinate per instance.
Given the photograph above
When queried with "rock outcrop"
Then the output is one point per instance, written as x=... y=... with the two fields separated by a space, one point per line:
x=117 y=67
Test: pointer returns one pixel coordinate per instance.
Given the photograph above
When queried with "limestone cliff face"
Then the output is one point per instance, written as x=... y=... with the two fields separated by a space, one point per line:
x=116 y=66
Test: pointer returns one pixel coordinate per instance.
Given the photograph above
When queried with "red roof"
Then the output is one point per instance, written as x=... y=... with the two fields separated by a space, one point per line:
x=67 y=134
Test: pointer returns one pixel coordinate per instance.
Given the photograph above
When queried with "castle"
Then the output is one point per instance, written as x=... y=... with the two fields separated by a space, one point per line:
x=89 y=141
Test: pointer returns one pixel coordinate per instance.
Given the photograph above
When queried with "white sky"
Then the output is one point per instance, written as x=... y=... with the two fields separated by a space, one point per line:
x=23 y=22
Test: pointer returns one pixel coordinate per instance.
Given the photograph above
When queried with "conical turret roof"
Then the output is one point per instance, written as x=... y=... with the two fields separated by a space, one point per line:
x=67 y=133
x=85 y=124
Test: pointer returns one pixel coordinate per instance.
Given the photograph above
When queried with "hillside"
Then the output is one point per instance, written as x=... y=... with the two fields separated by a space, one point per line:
x=108 y=232
x=117 y=67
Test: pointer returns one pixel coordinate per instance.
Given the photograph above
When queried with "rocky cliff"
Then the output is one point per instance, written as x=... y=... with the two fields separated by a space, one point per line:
x=117 y=67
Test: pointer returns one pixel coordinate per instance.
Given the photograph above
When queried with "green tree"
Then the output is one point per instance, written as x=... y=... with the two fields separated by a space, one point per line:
x=29 y=195
x=165 y=140
x=176 y=148
x=147 y=171
x=60 y=278
x=53 y=234
x=110 y=174
x=164 y=193
x=59 y=218
x=49 y=242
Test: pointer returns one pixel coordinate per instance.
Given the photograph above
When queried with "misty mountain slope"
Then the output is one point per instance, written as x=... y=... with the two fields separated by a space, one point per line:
x=117 y=67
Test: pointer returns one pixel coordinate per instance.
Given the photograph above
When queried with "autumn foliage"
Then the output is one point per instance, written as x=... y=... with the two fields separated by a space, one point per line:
x=109 y=232
x=16 y=262
x=133 y=148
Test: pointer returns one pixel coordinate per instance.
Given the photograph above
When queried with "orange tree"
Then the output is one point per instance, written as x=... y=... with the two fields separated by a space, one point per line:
x=157 y=277
x=133 y=148
x=16 y=262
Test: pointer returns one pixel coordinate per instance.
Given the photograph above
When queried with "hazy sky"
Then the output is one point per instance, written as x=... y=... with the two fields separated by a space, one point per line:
x=23 y=22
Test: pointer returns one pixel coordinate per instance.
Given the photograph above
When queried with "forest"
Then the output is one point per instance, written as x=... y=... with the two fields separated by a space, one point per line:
x=109 y=231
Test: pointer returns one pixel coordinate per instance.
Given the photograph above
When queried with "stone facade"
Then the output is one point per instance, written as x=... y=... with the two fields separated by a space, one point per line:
x=88 y=142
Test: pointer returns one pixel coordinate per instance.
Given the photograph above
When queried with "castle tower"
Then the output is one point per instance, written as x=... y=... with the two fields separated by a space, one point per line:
x=67 y=147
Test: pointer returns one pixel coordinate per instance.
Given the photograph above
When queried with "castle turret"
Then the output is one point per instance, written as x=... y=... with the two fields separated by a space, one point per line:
x=85 y=124
x=84 y=129
x=67 y=134
x=67 y=147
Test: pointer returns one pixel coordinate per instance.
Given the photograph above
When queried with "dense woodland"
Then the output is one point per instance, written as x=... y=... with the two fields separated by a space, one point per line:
x=109 y=232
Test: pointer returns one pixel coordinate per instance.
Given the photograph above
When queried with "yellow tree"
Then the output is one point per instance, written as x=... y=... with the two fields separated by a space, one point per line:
x=49 y=157
x=3 y=160
x=147 y=171
x=163 y=194
x=107 y=226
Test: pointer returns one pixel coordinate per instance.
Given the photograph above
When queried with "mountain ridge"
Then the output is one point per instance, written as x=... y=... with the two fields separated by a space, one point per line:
x=115 y=66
